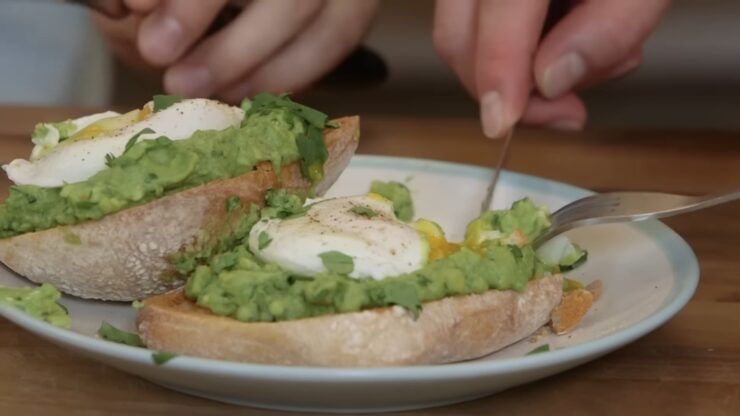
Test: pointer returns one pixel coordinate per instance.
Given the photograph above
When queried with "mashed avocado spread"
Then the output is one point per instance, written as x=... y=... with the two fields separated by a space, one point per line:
x=275 y=129
x=399 y=195
x=40 y=302
x=237 y=284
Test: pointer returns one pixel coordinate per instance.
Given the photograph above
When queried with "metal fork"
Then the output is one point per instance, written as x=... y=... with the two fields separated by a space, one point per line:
x=614 y=207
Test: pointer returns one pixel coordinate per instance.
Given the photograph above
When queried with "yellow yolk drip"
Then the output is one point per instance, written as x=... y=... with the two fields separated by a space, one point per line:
x=145 y=112
x=439 y=247
x=112 y=123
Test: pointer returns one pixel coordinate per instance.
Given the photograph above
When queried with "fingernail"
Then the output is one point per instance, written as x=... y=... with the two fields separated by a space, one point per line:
x=161 y=39
x=563 y=74
x=492 y=114
x=566 y=125
x=188 y=81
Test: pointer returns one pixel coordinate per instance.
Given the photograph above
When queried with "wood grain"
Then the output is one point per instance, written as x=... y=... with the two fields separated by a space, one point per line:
x=689 y=366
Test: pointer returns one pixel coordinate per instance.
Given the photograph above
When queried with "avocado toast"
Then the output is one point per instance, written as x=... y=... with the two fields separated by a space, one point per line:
x=116 y=234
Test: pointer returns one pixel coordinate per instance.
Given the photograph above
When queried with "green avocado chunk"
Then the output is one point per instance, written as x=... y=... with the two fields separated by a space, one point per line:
x=399 y=195
x=41 y=302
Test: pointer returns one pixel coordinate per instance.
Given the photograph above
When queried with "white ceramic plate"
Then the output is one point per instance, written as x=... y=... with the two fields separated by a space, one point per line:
x=648 y=272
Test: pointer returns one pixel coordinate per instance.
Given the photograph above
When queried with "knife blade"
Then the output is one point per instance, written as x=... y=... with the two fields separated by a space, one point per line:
x=502 y=159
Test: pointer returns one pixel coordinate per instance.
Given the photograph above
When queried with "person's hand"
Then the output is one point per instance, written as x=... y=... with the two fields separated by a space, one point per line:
x=496 y=49
x=272 y=45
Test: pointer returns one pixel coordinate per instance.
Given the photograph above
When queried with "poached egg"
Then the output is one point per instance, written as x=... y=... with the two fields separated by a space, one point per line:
x=75 y=150
x=361 y=227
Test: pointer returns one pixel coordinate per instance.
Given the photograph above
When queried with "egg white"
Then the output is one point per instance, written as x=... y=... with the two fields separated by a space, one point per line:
x=380 y=246
x=71 y=162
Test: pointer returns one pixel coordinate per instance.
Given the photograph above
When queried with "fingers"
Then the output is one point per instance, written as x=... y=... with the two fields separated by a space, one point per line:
x=454 y=35
x=169 y=30
x=141 y=6
x=331 y=36
x=594 y=37
x=629 y=63
x=263 y=28
x=508 y=34
x=119 y=34
x=563 y=113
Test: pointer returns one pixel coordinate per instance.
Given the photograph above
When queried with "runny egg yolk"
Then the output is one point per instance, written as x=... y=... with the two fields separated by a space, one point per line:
x=439 y=247
x=145 y=112
x=112 y=123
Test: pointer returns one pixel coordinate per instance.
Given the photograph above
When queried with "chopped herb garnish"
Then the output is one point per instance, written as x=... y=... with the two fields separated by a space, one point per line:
x=137 y=304
x=364 y=210
x=132 y=141
x=109 y=158
x=110 y=333
x=163 y=101
x=541 y=348
x=232 y=203
x=404 y=295
x=337 y=262
x=263 y=240
x=162 y=357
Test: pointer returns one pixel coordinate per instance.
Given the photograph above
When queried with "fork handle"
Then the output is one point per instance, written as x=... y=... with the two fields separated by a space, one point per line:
x=707 y=201
x=717 y=199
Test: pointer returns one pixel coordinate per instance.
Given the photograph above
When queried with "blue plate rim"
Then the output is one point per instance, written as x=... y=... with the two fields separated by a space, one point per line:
x=677 y=249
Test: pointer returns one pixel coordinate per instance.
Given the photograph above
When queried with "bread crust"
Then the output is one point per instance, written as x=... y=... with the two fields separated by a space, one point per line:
x=124 y=256
x=452 y=329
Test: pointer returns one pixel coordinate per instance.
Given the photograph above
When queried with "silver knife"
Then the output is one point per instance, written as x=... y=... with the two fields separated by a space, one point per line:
x=502 y=159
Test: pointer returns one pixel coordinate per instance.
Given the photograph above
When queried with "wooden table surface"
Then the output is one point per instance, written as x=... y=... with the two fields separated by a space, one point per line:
x=691 y=365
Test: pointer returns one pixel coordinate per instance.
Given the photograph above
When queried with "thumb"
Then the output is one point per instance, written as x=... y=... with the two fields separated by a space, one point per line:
x=595 y=37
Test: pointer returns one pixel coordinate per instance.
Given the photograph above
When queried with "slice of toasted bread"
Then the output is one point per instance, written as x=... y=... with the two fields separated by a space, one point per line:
x=124 y=256
x=448 y=330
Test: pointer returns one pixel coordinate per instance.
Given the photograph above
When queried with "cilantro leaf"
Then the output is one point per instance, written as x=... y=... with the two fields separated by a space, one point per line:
x=132 y=141
x=404 y=295
x=541 y=348
x=364 y=210
x=245 y=105
x=163 y=101
x=109 y=158
x=232 y=203
x=266 y=102
x=263 y=240
x=161 y=357
x=110 y=333
x=337 y=262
